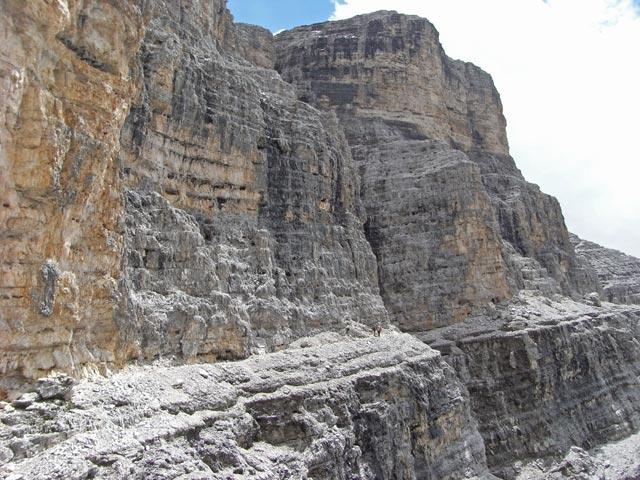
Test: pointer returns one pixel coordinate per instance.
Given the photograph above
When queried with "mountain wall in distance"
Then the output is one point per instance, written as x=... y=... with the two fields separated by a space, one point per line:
x=450 y=218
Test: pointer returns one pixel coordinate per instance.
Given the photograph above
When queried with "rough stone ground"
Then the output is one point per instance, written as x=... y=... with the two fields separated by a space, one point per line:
x=614 y=461
x=332 y=408
x=308 y=412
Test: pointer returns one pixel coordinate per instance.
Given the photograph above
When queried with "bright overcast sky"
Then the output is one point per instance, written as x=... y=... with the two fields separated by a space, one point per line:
x=568 y=72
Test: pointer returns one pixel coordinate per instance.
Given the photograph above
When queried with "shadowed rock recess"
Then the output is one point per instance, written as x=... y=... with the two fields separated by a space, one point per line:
x=178 y=189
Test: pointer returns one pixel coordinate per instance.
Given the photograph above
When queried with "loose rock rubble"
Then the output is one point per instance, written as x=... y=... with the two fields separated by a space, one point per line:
x=372 y=408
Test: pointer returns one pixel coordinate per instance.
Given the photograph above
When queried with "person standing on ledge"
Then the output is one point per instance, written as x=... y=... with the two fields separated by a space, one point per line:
x=378 y=330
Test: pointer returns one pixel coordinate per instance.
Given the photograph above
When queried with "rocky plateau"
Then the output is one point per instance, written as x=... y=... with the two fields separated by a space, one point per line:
x=202 y=224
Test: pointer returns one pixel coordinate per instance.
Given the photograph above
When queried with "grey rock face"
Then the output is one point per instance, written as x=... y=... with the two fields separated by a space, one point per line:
x=533 y=224
x=430 y=221
x=255 y=44
x=55 y=386
x=545 y=375
x=243 y=220
x=440 y=189
x=436 y=264
x=618 y=273
x=231 y=215
x=375 y=408
x=615 y=461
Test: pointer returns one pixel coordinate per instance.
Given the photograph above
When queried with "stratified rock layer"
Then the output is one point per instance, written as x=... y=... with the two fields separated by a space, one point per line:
x=429 y=219
x=66 y=91
x=376 y=408
x=619 y=274
x=243 y=226
x=545 y=375
x=165 y=193
x=440 y=189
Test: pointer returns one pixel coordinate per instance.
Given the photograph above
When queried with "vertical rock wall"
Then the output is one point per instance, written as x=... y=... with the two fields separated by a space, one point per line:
x=243 y=222
x=440 y=189
x=164 y=192
x=66 y=91
x=429 y=219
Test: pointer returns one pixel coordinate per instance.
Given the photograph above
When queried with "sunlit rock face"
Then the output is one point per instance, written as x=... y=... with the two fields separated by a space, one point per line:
x=65 y=71
x=165 y=193
x=243 y=225
x=441 y=192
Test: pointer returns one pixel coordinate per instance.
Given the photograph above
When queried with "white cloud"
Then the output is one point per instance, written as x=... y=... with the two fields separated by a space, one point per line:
x=568 y=72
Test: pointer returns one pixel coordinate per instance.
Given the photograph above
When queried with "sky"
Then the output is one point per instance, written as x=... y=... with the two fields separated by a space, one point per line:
x=279 y=15
x=568 y=73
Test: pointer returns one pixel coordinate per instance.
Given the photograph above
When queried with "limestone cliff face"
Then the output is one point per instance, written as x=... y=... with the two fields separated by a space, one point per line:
x=166 y=195
x=544 y=375
x=165 y=192
x=385 y=65
x=66 y=91
x=440 y=189
x=243 y=222
x=429 y=218
x=255 y=44
x=618 y=273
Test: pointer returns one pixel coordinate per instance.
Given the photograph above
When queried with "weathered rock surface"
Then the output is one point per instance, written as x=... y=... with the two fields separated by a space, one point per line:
x=440 y=189
x=615 y=461
x=429 y=219
x=243 y=223
x=547 y=374
x=166 y=193
x=65 y=93
x=374 y=408
x=255 y=44
x=619 y=274
x=436 y=264
x=55 y=386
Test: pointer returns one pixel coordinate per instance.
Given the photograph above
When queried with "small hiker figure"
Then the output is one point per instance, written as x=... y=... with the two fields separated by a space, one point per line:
x=378 y=330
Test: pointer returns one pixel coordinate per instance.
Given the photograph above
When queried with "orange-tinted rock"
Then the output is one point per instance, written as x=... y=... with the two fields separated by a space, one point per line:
x=65 y=93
